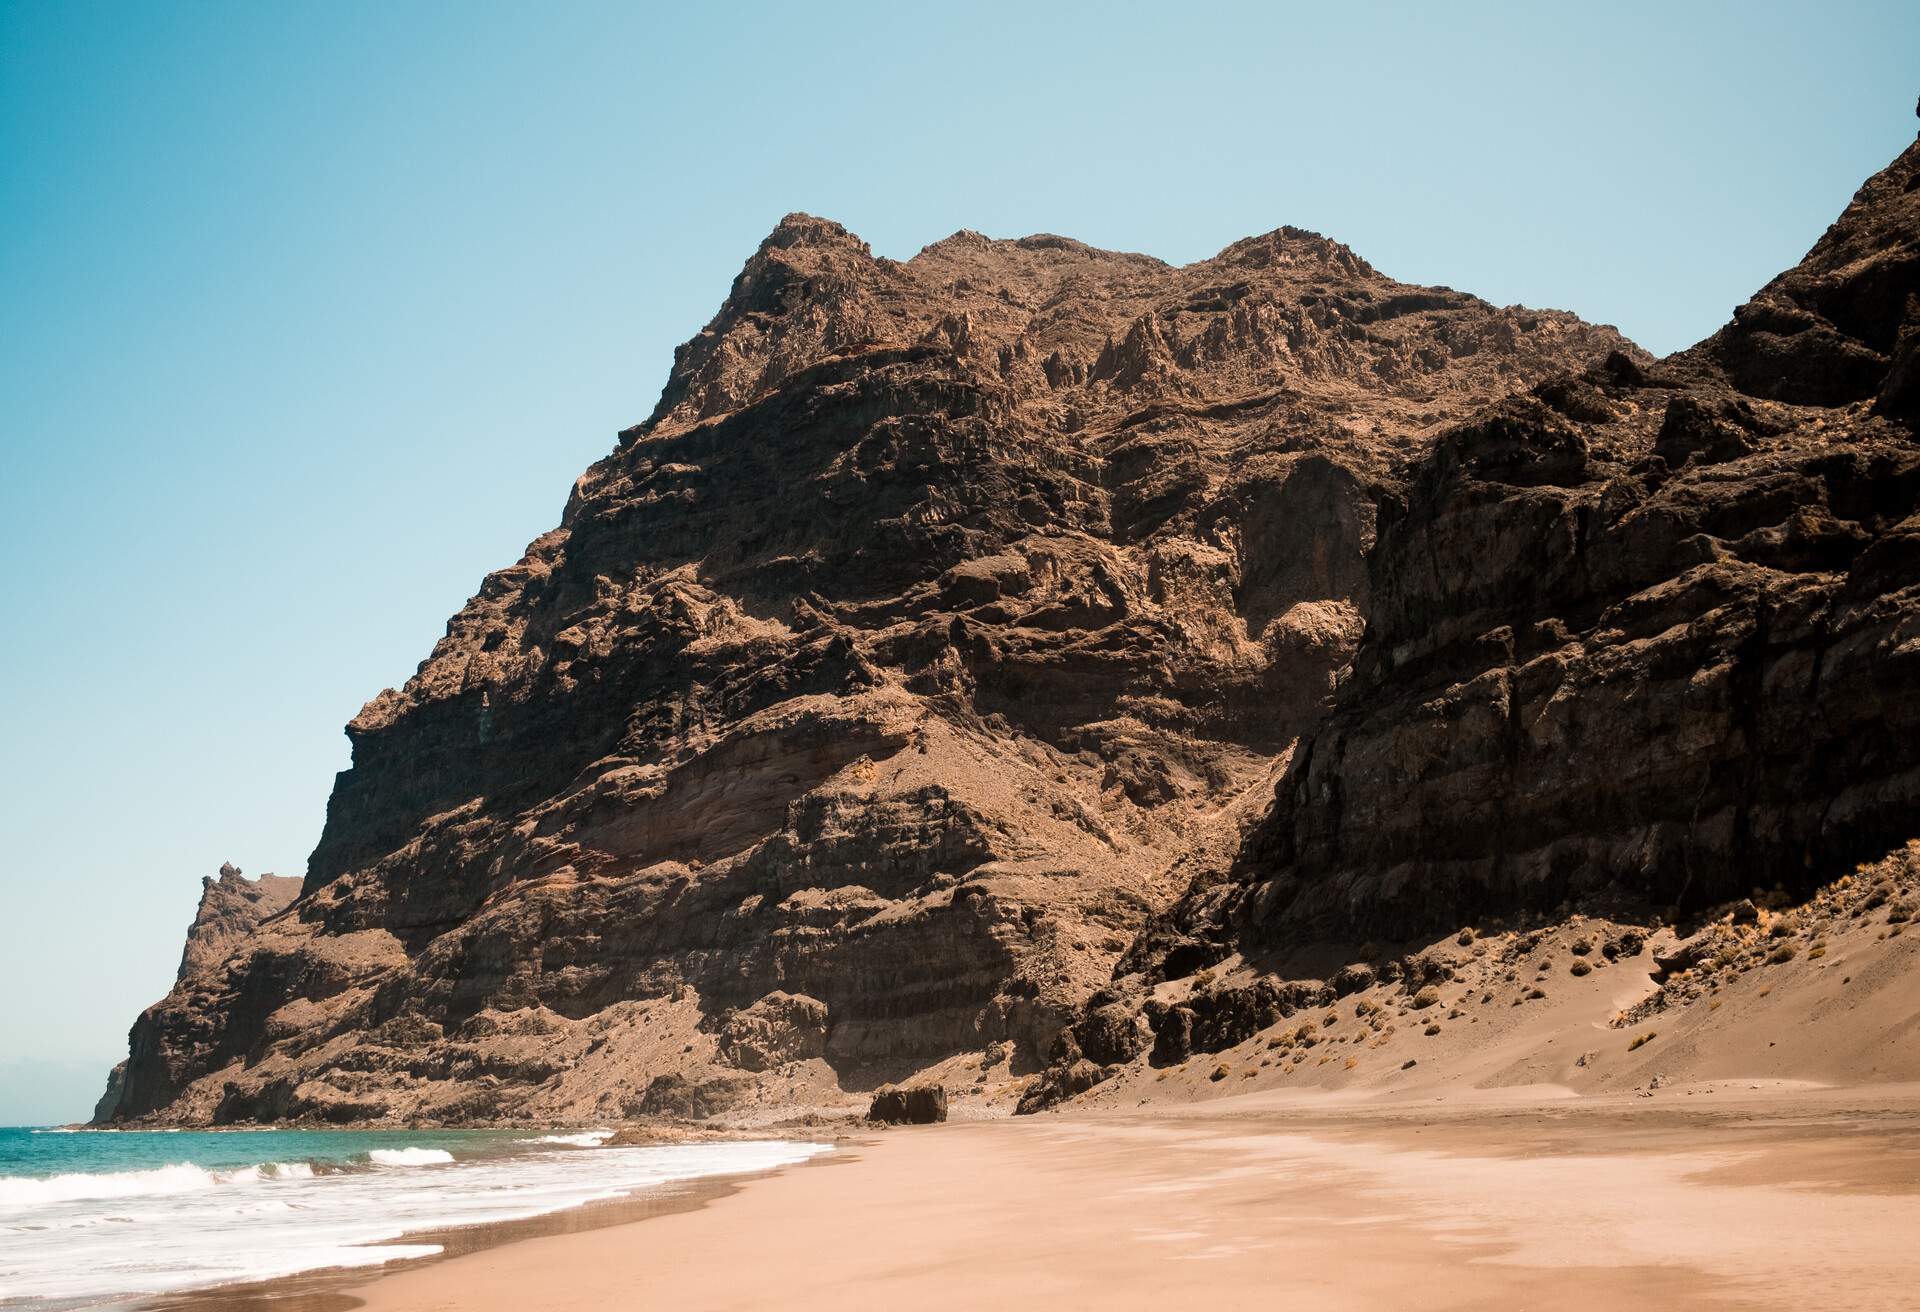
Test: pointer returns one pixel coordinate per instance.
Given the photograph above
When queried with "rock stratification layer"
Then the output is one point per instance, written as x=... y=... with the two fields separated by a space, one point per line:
x=1640 y=637
x=1032 y=656
x=945 y=622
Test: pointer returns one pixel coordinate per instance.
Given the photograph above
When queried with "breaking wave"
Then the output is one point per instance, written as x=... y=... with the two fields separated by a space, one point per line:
x=410 y=1157
x=178 y=1178
x=75 y=1240
x=584 y=1139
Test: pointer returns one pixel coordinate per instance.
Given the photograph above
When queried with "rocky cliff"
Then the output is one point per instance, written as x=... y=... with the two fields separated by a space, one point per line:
x=968 y=646
x=1641 y=640
x=942 y=619
x=231 y=908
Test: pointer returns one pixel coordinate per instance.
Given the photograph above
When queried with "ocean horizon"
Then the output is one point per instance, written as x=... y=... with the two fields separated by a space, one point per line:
x=99 y=1217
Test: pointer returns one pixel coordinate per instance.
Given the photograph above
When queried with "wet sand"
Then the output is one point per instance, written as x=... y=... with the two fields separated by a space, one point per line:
x=331 y=1289
x=1730 y=1199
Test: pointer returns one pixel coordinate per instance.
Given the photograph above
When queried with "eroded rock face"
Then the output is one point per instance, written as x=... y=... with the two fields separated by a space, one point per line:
x=231 y=907
x=944 y=620
x=230 y=911
x=1669 y=649
x=778 y=1029
x=1643 y=636
x=109 y=1101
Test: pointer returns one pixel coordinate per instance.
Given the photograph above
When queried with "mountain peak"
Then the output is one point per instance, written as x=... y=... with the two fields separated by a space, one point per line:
x=877 y=698
x=799 y=229
x=1058 y=327
x=1290 y=247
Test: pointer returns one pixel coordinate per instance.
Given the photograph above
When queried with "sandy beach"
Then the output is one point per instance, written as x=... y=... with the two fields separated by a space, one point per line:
x=1707 y=1196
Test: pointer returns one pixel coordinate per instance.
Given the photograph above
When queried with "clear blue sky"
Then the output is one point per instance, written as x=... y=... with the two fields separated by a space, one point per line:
x=311 y=313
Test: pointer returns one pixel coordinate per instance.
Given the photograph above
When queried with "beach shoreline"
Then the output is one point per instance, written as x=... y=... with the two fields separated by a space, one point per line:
x=1710 y=1196
x=135 y=1220
x=333 y=1289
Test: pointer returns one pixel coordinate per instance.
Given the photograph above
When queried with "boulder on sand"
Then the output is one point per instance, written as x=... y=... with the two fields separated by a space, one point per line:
x=922 y=1105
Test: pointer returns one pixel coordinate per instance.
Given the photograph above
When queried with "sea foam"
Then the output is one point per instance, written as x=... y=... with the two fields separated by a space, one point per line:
x=177 y=1178
x=584 y=1139
x=76 y=1240
x=409 y=1156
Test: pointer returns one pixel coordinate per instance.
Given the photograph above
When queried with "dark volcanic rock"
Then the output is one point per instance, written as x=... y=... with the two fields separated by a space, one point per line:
x=1220 y=1018
x=1585 y=670
x=944 y=620
x=109 y=1101
x=919 y=1105
x=1643 y=637
x=675 y=1095
x=1110 y=1034
x=1831 y=330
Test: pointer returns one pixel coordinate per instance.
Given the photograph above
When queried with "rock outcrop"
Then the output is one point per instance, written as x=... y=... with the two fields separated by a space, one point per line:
x=231 y=908
x=109 y=1101
x=946 y=619
x=921 y=1104
x=1639 y=637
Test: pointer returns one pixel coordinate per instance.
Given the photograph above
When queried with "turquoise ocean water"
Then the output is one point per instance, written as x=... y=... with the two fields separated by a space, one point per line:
x=98 y=1218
